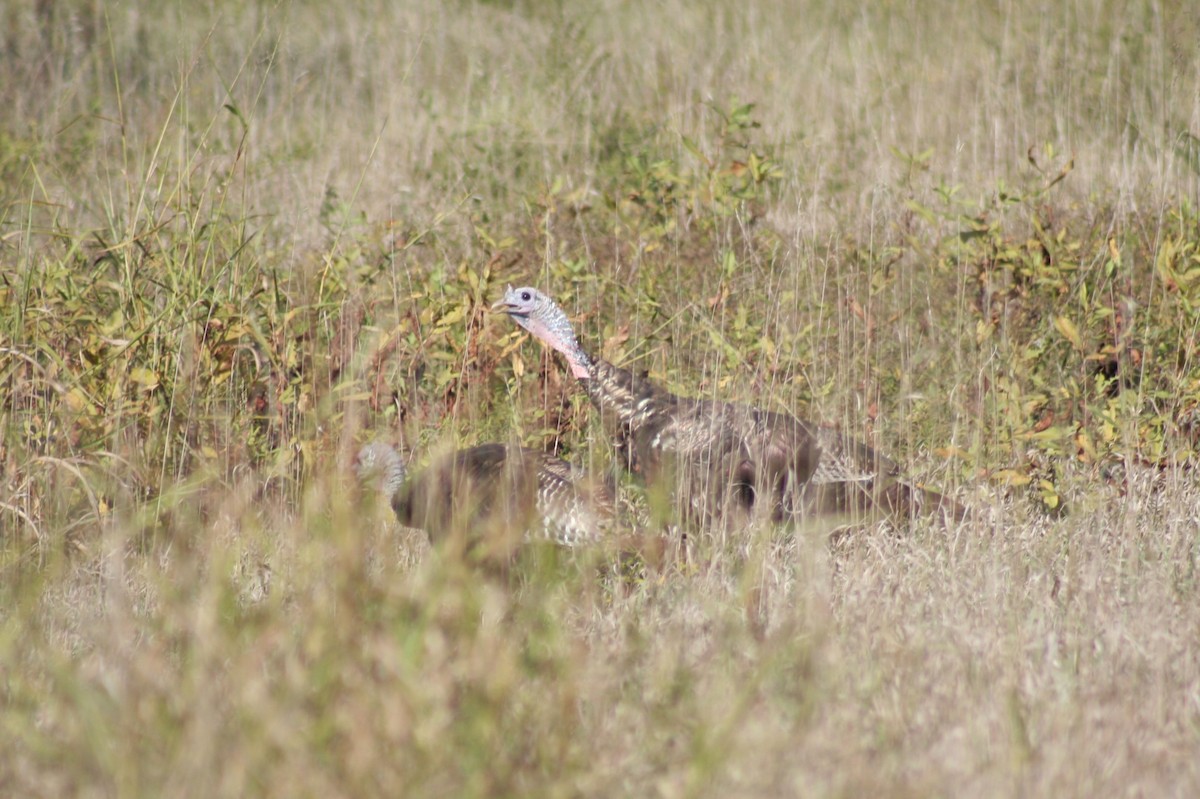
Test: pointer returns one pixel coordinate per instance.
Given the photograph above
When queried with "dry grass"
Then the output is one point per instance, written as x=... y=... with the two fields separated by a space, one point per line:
x=236 y=241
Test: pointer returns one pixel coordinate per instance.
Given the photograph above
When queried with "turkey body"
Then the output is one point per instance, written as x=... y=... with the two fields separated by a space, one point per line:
x=491 y=496
x=719 y=457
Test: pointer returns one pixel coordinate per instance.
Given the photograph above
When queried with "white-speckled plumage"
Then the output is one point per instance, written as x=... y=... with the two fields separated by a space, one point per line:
x=491 y=486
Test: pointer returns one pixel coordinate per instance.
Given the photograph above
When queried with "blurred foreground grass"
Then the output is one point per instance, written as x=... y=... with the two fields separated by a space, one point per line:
x=236 y=241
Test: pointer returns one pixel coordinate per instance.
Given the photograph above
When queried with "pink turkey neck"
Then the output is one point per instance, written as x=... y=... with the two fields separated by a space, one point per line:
x=555 y=329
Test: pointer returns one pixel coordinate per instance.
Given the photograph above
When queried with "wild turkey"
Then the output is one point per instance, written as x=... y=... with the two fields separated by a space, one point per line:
x=492 y=495
x=723 y=455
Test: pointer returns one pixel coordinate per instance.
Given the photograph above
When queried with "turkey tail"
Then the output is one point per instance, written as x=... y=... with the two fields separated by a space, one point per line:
x=899 y=500
x=906 y=501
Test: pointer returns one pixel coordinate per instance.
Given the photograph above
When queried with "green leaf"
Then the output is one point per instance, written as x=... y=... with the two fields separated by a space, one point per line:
x=1068 y=330
x=147 y=378
x=921 y=211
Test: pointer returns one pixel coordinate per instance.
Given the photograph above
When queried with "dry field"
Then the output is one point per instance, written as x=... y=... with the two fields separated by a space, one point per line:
x=238 y=239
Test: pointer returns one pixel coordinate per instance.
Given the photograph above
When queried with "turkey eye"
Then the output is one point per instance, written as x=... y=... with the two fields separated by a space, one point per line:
x=526 y=296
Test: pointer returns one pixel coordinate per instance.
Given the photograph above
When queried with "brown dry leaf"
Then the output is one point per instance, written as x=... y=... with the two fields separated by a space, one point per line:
x=857 y=309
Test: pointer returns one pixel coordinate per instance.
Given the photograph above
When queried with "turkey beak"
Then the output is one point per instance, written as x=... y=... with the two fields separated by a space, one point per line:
x=504 y=306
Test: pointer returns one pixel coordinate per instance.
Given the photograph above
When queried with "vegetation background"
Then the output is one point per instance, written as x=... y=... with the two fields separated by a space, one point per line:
x=239 y=238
